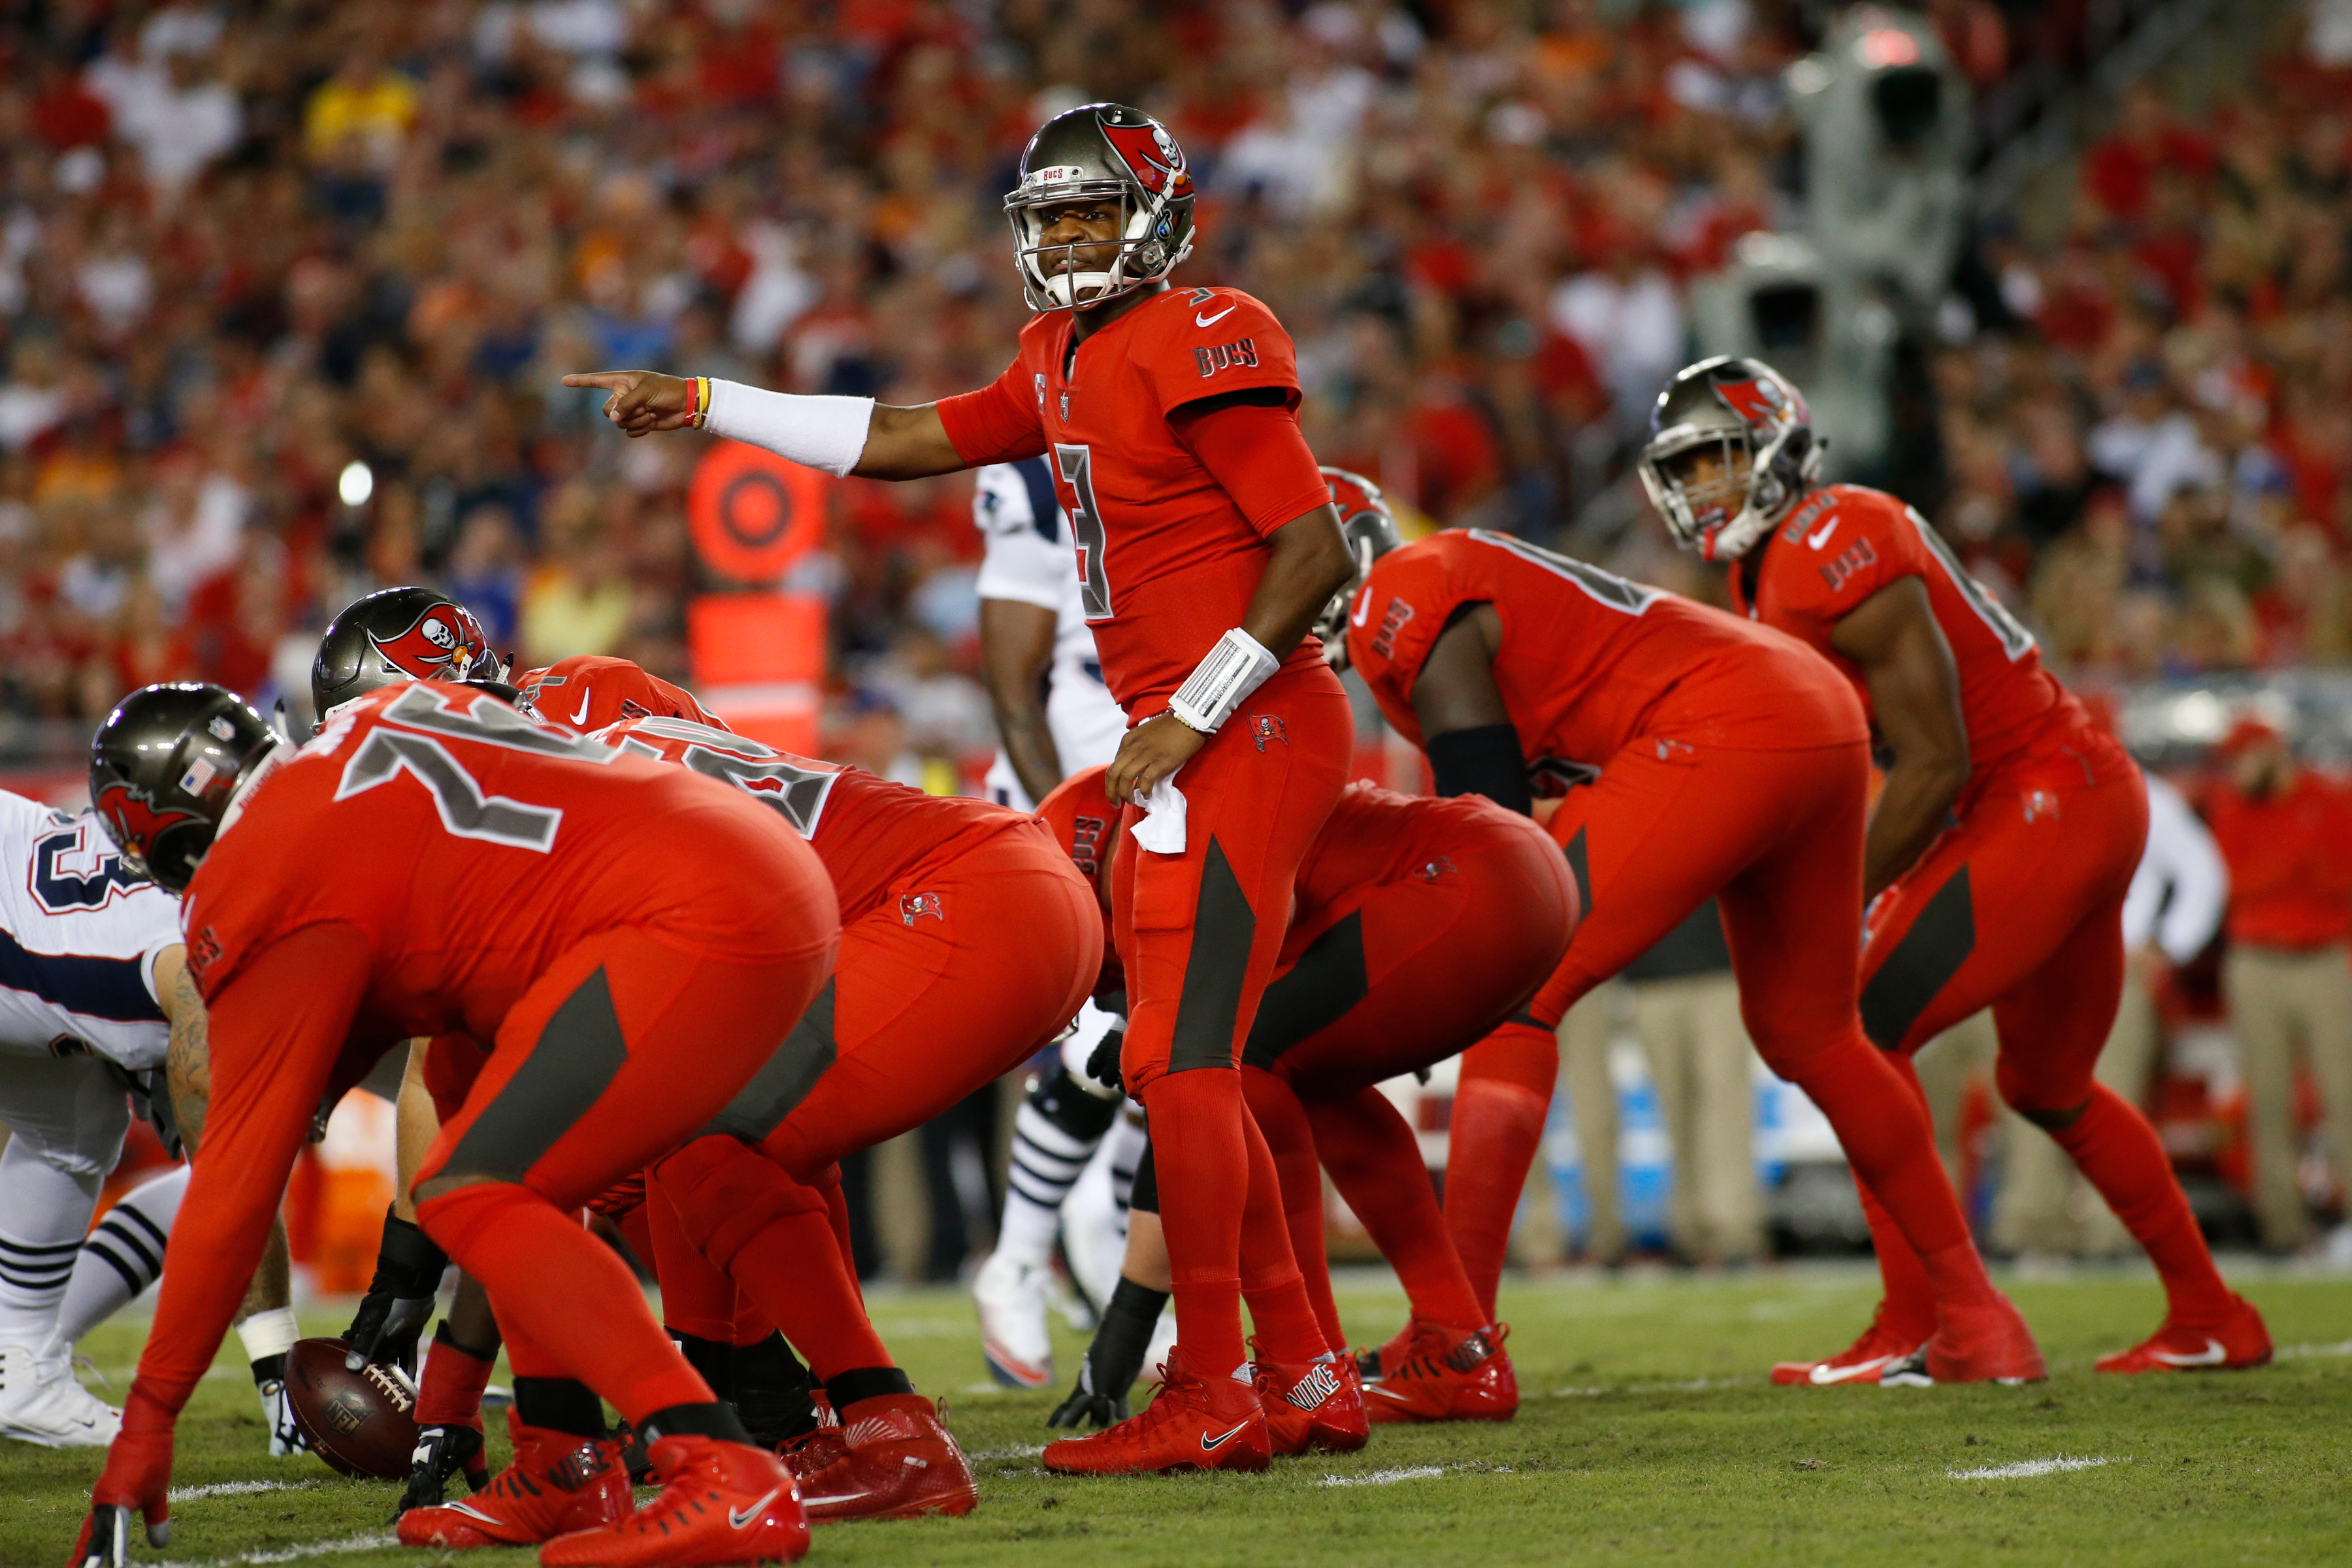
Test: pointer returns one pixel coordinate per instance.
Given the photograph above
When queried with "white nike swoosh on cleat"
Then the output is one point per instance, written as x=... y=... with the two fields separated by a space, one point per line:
x=582 y=716
x=1824 y=1373
x=470 y=1512
x=1210 y=1444
x=737 y=1518
x=1213 y=321
x=1823 y=537
x=2211 y=1355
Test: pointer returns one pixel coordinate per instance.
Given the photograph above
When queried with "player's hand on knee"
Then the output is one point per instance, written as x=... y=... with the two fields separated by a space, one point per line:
x=642 y=400
x=1151 y=751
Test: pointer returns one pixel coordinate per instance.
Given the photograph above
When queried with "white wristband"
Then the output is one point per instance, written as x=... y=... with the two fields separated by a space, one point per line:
x=827 y=433
x=1222 y=682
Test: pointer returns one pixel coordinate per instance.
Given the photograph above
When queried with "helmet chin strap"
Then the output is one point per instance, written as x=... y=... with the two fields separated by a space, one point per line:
x=283 y=751
x=1068 y=288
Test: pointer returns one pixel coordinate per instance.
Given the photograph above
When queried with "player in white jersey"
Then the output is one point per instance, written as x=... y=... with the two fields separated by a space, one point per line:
x=1056 y=718
x=94 y=1002
x=1037 y=658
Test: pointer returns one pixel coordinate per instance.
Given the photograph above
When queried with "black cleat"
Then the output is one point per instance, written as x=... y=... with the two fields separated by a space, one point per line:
x=441 y=1452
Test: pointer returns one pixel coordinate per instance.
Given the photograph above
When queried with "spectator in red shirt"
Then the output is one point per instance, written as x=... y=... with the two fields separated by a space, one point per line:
x=2120 y=171
x=2286 y=833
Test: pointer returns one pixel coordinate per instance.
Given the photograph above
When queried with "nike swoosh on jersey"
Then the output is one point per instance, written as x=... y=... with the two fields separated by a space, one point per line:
x=582 y=716
x=1825 y=1373
x=1198 y=320
x=1210 y=1444
x=1823 y=537
x=2211 y=1355
x=737 y=1518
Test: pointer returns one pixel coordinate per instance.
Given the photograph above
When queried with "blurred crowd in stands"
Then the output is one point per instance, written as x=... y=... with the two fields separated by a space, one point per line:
x=245 y=246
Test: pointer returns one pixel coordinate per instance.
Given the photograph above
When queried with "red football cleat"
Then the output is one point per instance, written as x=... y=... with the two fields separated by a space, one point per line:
x=721 y=1505
x=898 y=1462
x=558 y=1482
x=1864 y=1361
x=1434 y=1372
x=1982 y=1341
x=2237 y=1342
x=1311 y=1405
x=1191 y=1424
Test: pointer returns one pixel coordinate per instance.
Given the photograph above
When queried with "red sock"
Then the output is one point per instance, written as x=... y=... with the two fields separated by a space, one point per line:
x=1882 y=1125
x=772 y=1234
x=1909 y=1304
x=1499 y=1107
x=449 y=1393
x=698 y=1297
x=1375 y=1161
x=2119 y=1153
x=1284 y=1122
x=1280 y=1308
x=566 y=1293
x=751 y=1325
x=836 y=1209
x=1202 y=1158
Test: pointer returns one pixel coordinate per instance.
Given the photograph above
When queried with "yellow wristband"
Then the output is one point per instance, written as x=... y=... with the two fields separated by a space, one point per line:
x=701 y=400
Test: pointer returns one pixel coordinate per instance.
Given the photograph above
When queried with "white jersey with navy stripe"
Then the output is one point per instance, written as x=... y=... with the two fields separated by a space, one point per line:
x=78 y=938
x=1032 y=559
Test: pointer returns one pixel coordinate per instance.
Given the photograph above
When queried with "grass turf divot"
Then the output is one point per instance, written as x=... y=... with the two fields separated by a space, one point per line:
x=1384 y=1478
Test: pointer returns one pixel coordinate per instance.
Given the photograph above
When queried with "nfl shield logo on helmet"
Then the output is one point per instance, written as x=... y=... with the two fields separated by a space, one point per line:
x=914 y=906
x=1265 y=727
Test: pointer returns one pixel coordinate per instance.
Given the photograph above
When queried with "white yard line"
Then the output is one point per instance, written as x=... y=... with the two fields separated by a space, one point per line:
x=2293 y=1353
x=1018 y=1451
x=2025 y=1467
x=1384 y=1478
x=369 y=1542
x=238 y=1489
x=1690 y=1386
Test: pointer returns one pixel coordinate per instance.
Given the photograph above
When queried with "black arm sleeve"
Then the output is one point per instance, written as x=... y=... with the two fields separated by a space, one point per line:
x=1483 y=760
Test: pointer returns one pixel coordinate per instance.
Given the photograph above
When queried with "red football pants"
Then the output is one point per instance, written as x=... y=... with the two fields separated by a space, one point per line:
x=1777 y=837
x=1415 y=970
x=622 y=1049
x=1198 y=935
x=2020 y=908
x=954 y=979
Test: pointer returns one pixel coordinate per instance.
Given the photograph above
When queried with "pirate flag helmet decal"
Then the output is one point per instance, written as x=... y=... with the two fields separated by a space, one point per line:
x=165 y=767
x=393 y=636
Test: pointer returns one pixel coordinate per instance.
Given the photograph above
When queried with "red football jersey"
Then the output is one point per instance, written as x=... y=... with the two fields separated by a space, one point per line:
x=438 y=810
x=587 y=691
x=1844 y=543
x=1167 y=560
x=1590 y=662
x=871 y=834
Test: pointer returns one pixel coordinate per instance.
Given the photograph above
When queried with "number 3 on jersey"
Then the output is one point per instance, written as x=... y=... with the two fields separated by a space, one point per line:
x=1074 y=467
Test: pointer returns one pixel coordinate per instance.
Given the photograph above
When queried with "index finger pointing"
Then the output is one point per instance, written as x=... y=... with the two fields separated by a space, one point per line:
x=603 y=380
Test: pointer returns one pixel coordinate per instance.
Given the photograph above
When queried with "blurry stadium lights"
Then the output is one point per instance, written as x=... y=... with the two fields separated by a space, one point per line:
x=356 y=484
x=1886 y=47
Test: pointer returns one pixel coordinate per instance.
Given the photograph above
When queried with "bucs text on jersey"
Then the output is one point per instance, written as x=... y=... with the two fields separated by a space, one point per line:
x=1167 y=559
x=78 y=939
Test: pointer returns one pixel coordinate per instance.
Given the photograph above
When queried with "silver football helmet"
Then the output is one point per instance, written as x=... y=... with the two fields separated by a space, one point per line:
x=1106 y=153
x=1755 y=420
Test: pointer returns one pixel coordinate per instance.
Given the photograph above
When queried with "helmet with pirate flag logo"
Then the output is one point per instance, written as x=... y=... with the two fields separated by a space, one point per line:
x=1369 y=530
x=393 y=636
x=164 y=769
x=1110 y=153
x=1751 y=417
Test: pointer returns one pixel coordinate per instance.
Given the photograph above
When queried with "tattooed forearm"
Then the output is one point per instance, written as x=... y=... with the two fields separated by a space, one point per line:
x=188 y=1063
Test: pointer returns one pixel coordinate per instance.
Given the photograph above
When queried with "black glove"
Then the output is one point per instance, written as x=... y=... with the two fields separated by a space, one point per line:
x=392 y=1314
x=1102 y=1062
x=443 y=1453
x=1089 y=1409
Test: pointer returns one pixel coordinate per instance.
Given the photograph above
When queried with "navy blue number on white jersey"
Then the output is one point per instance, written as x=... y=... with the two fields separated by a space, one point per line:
x=76 y=868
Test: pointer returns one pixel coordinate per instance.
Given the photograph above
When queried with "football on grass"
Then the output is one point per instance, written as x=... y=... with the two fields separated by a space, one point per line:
x=361 y=1423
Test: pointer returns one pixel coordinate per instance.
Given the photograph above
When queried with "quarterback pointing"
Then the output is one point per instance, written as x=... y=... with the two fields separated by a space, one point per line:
x=1206 y=543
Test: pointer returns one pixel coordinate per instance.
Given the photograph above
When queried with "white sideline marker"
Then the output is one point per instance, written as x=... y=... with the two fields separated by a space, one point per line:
x=1384 y=1478
x=238 y=1489
x=2025 y=1467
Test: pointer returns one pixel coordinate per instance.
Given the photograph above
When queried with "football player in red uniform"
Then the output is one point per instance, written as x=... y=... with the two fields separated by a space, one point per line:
x=2000 y=849
x=1207 y=544
x=1417 y=926
x=433 y=861
x=1730 y=761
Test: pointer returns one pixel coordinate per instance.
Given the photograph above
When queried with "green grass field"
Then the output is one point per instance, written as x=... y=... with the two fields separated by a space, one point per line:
x=1648 y=1435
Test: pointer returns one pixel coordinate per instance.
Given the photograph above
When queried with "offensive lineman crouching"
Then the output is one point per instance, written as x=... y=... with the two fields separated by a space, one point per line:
x=494 y=877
